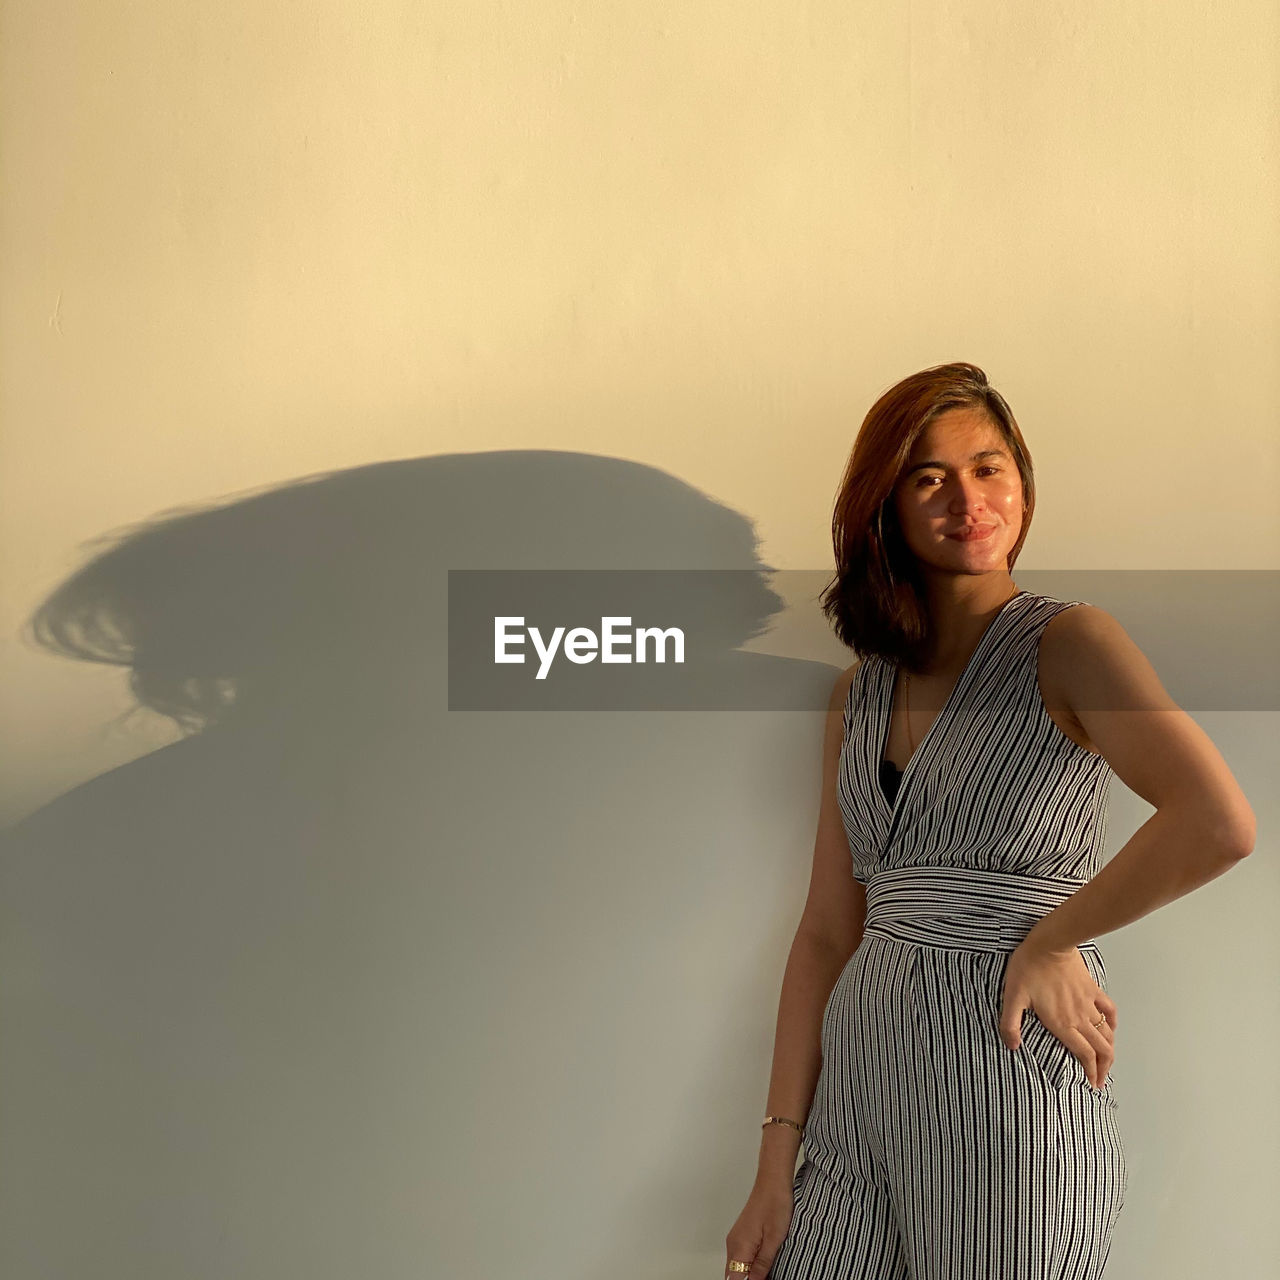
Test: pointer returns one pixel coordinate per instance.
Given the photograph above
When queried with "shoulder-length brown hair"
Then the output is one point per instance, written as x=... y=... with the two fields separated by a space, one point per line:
x=875 y=602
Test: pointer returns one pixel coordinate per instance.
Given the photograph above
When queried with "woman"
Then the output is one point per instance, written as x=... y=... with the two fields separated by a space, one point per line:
x=967 y=763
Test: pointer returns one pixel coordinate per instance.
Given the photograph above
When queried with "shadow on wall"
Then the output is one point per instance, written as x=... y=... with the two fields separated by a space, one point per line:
x=344 y=983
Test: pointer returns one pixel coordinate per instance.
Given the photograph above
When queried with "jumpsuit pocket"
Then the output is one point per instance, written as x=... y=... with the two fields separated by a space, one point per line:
x=1052 y=1058
x=1059 y=1066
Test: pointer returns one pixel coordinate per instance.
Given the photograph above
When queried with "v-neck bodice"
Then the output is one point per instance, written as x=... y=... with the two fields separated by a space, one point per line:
x=890 y=778
x=993 y=783
x=887 y=696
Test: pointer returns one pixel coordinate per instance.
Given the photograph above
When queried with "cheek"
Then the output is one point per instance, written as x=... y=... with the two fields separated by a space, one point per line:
x=1010 y=498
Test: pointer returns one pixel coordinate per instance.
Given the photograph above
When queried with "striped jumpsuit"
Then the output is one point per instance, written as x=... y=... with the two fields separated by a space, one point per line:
x=932 y=1151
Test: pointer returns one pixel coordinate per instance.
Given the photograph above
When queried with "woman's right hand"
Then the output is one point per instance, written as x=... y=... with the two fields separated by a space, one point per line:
x=761 y=1228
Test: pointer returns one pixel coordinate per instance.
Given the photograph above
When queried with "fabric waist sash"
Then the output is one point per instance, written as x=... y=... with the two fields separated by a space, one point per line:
x=961 y=908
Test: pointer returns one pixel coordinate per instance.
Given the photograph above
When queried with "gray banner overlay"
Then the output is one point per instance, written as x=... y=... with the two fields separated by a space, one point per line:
x=1211 y=636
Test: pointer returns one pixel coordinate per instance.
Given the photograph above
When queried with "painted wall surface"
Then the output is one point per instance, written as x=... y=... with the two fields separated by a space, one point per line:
x=369 y=292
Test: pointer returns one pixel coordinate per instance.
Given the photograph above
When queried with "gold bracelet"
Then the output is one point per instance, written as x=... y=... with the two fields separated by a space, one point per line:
x=783 y=1120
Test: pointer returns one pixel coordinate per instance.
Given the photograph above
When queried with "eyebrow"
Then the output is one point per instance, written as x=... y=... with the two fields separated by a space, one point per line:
x=942 y=466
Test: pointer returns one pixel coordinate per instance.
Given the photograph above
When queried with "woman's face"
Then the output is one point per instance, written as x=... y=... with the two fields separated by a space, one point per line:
x=960 y=475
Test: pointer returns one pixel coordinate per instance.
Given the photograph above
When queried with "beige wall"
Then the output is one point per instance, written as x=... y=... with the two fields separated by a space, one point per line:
x=251 y=242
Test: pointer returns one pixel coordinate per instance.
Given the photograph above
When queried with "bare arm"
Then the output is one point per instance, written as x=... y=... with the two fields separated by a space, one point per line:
x=828 y=934
x=1202 y=825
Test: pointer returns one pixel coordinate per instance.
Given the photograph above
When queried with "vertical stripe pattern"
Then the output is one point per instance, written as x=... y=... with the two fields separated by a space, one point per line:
x=932 y=1151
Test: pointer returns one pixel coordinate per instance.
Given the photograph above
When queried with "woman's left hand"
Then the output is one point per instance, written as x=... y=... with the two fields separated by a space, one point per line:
x=1059 y=988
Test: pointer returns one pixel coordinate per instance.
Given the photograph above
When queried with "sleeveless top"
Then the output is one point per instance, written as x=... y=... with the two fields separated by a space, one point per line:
x=993 y=785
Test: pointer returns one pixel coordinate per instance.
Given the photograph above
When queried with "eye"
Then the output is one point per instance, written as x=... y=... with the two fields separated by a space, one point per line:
x=991 y=467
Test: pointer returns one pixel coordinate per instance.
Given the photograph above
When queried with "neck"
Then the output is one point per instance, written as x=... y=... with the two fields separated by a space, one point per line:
x=958 y=622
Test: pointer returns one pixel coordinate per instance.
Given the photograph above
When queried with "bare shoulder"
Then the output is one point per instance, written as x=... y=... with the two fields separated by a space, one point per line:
x=843 y=683
x=834 y=734
x=1069 y=635
x=1157 y=750
x=1091 y=666
x=846 y=676
x=1085 y=650
x=1088 y=661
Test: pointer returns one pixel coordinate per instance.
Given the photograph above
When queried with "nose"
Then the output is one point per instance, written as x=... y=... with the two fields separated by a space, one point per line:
x=966 y=496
